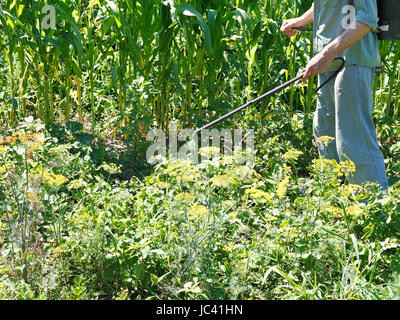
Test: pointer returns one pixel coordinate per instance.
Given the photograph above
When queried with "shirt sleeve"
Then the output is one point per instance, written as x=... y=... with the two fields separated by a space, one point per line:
x=367 y=13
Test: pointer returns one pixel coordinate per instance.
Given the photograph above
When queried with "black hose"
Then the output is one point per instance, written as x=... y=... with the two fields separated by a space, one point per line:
x=302 y=29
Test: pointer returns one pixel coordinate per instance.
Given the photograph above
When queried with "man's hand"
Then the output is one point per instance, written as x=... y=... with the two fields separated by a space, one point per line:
x=317 y=65
x=288 y=25
x=305 y=19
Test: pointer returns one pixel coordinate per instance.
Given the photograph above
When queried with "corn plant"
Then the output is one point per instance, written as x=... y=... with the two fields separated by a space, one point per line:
x=141 y=63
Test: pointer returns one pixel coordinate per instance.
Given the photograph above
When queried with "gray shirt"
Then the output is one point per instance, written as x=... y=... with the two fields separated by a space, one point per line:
x=328 y=18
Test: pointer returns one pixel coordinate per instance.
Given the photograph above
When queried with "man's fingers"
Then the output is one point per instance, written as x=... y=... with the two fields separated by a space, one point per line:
x=289 y=32
x=308 y=74
x=283 y=26
x=318 y=65
x=286 y=28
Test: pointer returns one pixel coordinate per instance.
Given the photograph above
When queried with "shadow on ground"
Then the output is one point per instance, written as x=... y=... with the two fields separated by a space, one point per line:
x=113 y=150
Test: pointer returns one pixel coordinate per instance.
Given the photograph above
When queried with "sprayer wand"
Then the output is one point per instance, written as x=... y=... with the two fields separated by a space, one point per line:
x=302 y=29
x=279 y=88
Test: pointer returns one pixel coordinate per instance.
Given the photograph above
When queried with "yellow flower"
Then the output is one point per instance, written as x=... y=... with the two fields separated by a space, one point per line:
x=335 y=211
x=222 y=181
x=183 y=171
x=350 y=191
x=270 y=217
x=32 y=140
x=291 y=232
x=190 y=177
x=354 y=211
x=162 y=185
x=325 y=140
x=16 y=137
x=287 y=169
x=81 y=218
x=76 y=184
x=292 y=155
x=10 y=139
x=58 y=250
x=184 y=197
x=57 y=180
x=228 y=160
x=36 y=140
x=49 y=177
x=33 y=197
x=208 y=152
x=111 y=168
x=3 y=149
x=282 y=187
x=347 y=167
x=351 y=211
x=327 y=166
x=258 y=195
x=5 y=169
x=198 y=211
x=244 y=174
x=227 y=203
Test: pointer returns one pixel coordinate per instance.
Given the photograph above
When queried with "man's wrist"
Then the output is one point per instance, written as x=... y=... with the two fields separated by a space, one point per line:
x=308 y=17
x=330 y=51
x=301 y=22
x=298 y=22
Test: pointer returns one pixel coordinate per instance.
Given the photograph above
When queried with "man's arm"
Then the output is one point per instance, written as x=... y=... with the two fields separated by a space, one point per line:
x=321 y=62
x=302 y=21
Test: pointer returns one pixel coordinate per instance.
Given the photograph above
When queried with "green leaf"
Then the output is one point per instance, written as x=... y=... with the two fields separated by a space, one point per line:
x=188 y=10
x=245 y=19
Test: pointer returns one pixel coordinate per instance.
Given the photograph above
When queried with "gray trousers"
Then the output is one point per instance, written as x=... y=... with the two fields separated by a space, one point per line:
x=344 y=112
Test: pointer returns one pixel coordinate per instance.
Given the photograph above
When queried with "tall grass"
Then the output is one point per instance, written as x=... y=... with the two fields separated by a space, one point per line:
x=141 y=63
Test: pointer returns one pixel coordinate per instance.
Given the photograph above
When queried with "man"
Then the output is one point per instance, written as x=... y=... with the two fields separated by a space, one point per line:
x=344 y=108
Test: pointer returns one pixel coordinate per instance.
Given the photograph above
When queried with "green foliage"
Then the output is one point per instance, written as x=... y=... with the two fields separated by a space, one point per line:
x=118 y=60
x=75 y=105
x=218 y=230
